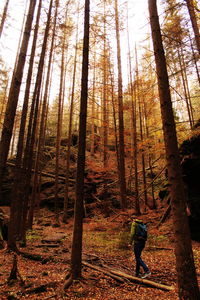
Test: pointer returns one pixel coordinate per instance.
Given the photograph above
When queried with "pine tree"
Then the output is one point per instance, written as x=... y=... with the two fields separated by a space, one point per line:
x=187 y=280
x=14 y=93
x=76 y=255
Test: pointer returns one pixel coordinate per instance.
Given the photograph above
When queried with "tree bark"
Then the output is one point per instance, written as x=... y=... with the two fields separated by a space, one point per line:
x=121 y=118
x=20 y=145
x=187 y=280
x=134 y=127
x=76 y=255
x=59 y=126
x=193 y=19
x=105 y=93
x=141 y=135
x=33 y=119
x=42 y=127
x=113 y=101
x=195 y=60
x=149 y=156
x=4 y=16
x=186 y=94
x=14 y=93
x=92 y=147
x=66 y=197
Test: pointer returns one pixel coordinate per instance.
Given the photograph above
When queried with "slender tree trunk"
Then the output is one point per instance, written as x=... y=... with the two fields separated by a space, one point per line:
x=195 y=60
x=3 y=104
x=143 y=155
x=10 y=116
x=33 y=119
x=187 y=280
x=66 y=197
x=121 y=118
x=42 y=127
x=21 y=35
x=138 y=83
x=185 y=89
x=31 y=134
x=14 y=94
x=141 y=135
x=134 y=126
x=193 y=18
x=92 y=148
x=20 y=145
x=114 y=112
x=4 y=16
x=76 y=256
x=149 y=155
x=105 y=104
x=135 y=148
x=59 y=128
x=11 y=153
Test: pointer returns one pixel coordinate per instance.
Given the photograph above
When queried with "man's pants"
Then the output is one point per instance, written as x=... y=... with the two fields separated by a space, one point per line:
x=138 y=247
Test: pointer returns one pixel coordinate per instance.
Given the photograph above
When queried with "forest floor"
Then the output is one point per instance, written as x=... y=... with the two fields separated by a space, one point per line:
x=45 y=261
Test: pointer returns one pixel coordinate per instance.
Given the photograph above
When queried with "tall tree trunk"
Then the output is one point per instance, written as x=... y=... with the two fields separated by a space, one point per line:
x=105 y=104
x=149 y=155
x=59 y=128
x=70 y=128
x=33 y=119
x=76 y=256
x=134 y=126
x=114 y=110
x=193 y=18
x=138 y=83
x=14 y=93
x=185 y=89
x=195 y=60
x=92 y=148
x=141 y=132
x=4 y=16
x=142 y=154
x=187 y=280
x=21 y=35
x=28 y=153
x=135 y=146
x=42 y=127
x=4 y=103
x=20 y=145
x=121 y=118
x=11 y=153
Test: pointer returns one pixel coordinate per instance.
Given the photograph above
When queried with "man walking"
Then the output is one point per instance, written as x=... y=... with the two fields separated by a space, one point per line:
x=138 y=239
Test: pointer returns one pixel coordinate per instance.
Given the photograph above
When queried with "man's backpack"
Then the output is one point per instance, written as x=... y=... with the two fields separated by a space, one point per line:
x=141 y=231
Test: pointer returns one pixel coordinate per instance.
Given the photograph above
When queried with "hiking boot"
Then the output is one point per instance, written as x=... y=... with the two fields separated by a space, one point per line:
x=146 y=274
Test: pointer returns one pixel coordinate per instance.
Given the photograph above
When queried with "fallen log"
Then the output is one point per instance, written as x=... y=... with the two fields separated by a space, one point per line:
x=137 y=280
x=143 y=281
x=103 y=271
